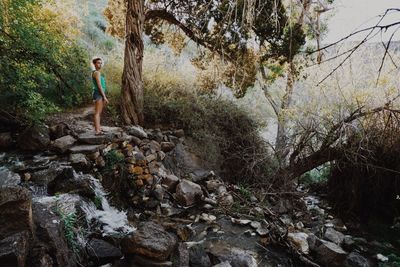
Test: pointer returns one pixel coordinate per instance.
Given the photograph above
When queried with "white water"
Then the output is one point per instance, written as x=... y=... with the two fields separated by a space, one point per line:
x=113 y=221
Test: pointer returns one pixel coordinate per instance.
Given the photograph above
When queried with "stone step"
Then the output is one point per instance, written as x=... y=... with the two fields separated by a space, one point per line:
x=85 y=149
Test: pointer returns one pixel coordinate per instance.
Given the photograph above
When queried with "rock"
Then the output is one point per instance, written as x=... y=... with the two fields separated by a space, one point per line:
x=64 y=143
x=14 y=249
x=59 y=130
x=223 y=264
x=154 y=146
x=355 y=259
x=212 y=185
x=158 y=192
x=170 y=181
x=43 y=177
x=8 y=177
x=79 y=161
x=208 y=218
x=235 y=256
x=167 y=146
x=179 y=133
x=313 y=241
x=34 y=138
x=102 y=252
x=348 y=242
x=94 y=155
x=300 y=241
x=92 y=139
x=382 y=258
x=6 y=140
x=85 y=149
x=262 y=231
x=151 y=157
x=330 y=254
x=15 y=210
x=283 y=206
x=150 y=240
x=140 y=261
x=160 y=156
x=69 y=182
x=137 y=131
x=226 y=200
x=240 y=221
x=50 y=238
x=198 y=257
x=334 y=236
x=135 y=140
x=188 y=193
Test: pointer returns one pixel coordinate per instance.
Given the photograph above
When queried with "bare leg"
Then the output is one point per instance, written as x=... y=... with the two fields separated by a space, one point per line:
x=98 y=108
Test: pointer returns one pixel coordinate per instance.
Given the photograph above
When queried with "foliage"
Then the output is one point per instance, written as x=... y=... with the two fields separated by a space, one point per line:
x=69 y=221
x=113 y=157
x=394 y=261
x=224 y=133
x=40 y=63
x=317 y=175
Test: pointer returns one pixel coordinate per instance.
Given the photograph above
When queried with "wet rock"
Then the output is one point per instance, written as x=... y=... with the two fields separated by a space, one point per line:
x=43 y=177
x=6 y=140
x=235 y=256
x=188 y=193
x=34 y=138
x=330 y=254
x=15 y=210
x=150 y=240
x=198 y=257
x=64 y=143
x=167 y=146
x=300 y=241
x=102 y=252
x=79 y=162
x=14 y=250
x=8 y=177
x=137 y=131
x=355 y=259
x=50 y=238
x=69 y=182
x=85 y=149
x=334 y=236
x=170 y=181
x=348 y=242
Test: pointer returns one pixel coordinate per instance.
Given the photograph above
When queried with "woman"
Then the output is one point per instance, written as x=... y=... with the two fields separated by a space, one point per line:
x=99 y=93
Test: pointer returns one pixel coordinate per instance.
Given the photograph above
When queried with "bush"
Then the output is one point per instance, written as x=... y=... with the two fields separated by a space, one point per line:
x=223 y=133
x=39 y=64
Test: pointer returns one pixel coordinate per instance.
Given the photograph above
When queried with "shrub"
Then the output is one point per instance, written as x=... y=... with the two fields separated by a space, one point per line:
x=223 y=133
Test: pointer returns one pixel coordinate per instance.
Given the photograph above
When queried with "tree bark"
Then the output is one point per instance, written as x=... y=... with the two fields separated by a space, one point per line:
x=132 y=76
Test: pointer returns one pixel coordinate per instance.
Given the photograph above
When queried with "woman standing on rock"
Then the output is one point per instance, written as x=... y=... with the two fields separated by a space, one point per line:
x=99 y=93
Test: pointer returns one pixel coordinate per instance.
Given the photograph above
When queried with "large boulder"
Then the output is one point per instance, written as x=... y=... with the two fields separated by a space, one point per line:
x=150 y=240
x=330 y=254
x=102 y=252
x=14 y=250
x=64 y=143
x=34 y=138
x=49 y=238
x=8 y=177
x=15 y=210
x=91 y=138
x=137 y=131
x=43 y=177
x=188 y=193
x=69 y=182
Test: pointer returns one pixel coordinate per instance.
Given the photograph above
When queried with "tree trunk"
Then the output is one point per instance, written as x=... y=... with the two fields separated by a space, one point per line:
x=132 y=80
x=281 y=135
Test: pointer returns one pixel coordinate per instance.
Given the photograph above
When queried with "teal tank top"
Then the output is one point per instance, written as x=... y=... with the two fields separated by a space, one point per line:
x=102 y=81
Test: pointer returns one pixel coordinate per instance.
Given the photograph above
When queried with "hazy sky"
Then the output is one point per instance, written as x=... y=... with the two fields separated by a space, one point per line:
x=352 y=14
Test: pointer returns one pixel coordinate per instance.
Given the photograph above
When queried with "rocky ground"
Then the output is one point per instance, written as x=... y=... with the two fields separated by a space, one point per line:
x=138 y=197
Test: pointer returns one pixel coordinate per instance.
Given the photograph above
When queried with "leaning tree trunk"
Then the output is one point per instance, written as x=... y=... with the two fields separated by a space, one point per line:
x=132 y=80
